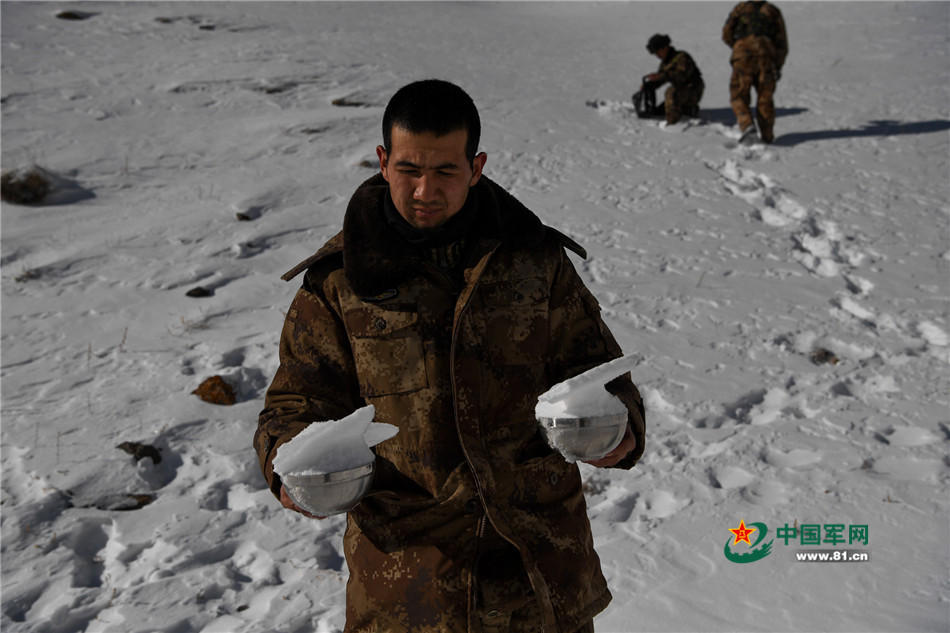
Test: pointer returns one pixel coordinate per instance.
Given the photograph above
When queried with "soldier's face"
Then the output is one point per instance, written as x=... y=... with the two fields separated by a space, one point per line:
x=429 y=176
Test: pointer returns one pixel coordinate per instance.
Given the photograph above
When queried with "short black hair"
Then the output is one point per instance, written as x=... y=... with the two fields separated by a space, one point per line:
x=657 y=42
x=433 y=105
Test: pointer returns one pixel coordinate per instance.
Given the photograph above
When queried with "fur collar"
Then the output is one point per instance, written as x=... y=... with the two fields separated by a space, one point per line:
x=374 y=261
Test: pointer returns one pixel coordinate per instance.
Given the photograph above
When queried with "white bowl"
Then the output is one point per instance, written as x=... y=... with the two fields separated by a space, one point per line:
x=584 y=438
x=329 y=493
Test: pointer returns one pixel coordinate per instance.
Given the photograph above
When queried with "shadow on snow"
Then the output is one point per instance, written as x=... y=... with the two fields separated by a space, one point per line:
x=727 y=117
x=874 y=128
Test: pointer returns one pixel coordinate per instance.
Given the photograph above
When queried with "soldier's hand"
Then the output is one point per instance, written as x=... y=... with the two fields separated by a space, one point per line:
x=652 y=77
x=626 y=446
x=288 y=503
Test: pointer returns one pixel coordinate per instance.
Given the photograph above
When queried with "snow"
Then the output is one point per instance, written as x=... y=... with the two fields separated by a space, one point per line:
x=333 y=445
x=584 y=395
x=789 y=302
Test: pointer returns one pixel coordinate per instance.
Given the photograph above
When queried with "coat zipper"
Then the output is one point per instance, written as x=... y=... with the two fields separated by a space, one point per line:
x=478 y=486
x=480 y=529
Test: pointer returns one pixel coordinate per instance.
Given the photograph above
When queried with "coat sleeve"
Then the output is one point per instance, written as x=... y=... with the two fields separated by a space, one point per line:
x=315 y=381
x=579 y=339
x=662 y=76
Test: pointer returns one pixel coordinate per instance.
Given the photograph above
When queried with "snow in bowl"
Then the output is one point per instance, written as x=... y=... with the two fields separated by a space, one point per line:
x=580 y=418
x=328 y=467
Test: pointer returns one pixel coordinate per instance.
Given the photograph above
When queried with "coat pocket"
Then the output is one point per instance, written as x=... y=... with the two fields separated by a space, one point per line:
x=387 y=350
x=546 y=481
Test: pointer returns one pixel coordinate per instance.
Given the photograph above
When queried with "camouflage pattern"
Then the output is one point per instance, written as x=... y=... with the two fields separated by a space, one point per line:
x=756 y=33
x=473 y=522
x=752 y=67
x=686 y=85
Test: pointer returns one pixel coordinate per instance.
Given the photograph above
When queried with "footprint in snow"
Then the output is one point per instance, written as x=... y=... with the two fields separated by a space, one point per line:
x=616 y=508
x=657 y=504
x=766 y=492
x=286 y=194
x=658 y=404
x=661 y=504
x=858 y=285
x=796 y=458
x=820 y=246
x=933 y=334
x=856 y=310
x=759 y=407
x=909 y=468
x=908 y=436
x=729 y=477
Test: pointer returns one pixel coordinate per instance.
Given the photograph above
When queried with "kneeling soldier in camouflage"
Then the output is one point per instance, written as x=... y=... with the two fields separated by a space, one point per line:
x=685 y=79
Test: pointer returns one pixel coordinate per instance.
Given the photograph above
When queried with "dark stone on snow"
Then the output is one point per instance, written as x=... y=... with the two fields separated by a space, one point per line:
x=140 y=451
x=198 y=292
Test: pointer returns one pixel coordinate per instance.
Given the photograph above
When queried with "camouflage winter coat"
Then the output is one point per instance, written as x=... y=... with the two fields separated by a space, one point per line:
x=457 y=366
x=756 y=28
x=679 y=69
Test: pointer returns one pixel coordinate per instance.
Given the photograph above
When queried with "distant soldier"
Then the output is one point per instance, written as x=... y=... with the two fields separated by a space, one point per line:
x=755 y=30
x=685 y=79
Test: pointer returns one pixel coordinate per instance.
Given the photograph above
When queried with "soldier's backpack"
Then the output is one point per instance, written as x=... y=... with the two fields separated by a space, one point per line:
x=754 y=23
x=644 y=101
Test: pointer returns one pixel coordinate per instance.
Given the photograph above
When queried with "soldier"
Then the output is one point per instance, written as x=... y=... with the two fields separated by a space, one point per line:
x=450 y=307
x=755 y=31
x=685 y=79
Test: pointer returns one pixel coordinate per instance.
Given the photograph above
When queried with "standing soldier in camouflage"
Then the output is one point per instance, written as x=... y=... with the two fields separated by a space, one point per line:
x=685 y=79
x=449 y=306
x=755 y=31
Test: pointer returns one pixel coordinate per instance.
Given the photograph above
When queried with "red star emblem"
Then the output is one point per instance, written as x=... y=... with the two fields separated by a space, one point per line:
x=742 y=533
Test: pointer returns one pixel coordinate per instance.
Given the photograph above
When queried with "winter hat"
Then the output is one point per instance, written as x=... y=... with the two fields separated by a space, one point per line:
x=657 y=42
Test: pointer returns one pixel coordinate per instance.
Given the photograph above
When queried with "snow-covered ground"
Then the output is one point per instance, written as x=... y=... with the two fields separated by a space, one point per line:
x=739 y=274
